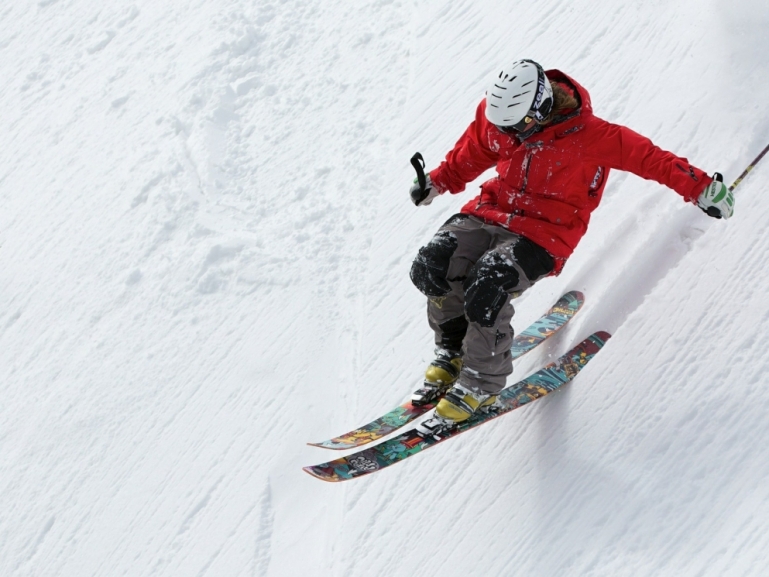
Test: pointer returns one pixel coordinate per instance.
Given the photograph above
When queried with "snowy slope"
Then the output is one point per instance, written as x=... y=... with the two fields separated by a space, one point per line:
x=205 y=249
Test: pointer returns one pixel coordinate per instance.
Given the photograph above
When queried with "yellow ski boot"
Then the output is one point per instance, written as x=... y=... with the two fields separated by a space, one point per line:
x=457 y=406
x=439 y=376
x=460 y=404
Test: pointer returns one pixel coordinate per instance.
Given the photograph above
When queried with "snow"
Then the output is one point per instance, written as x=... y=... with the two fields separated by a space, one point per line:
x=205 y=242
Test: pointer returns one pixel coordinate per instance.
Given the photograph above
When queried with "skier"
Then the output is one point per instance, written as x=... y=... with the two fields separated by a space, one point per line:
x=552 y=157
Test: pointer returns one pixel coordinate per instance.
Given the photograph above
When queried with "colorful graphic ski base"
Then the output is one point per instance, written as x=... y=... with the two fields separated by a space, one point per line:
x=410 y=442
x=546 y=326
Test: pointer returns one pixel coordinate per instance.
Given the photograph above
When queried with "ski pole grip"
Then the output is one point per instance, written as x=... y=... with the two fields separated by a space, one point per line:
x=419 y=165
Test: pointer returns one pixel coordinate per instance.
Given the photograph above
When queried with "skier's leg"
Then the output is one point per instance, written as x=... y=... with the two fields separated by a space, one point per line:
x=508 y=268
x=440 y=270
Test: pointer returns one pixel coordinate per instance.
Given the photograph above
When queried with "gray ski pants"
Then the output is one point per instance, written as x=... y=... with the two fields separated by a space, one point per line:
x=470 y=272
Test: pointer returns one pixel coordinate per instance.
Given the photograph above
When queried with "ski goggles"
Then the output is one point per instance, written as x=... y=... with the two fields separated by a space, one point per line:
x=520 y=126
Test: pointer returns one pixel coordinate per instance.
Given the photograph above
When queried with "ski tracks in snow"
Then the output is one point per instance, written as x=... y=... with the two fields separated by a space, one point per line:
x=205 y=222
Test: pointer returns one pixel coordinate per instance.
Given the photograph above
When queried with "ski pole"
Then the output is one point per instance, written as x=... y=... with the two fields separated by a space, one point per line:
x=419 y=165
x=750 y=167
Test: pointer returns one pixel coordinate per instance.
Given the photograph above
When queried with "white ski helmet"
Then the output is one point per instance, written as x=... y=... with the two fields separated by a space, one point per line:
x=517 y=95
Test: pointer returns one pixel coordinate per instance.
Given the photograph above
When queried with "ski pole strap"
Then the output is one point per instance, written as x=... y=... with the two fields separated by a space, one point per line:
x=750 y=167
x=419 y=165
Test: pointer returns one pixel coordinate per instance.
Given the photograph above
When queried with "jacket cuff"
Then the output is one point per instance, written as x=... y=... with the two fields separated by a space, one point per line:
x=438 y=183
x=698 y=191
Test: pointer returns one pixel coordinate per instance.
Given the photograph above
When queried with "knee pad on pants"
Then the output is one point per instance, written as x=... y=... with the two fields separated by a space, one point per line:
x=535 y=261
x=487 y=289
x=429 y=270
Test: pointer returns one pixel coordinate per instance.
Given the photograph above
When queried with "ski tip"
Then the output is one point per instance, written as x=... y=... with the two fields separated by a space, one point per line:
x=602 y=336
x=575 y=295
x=331 y=445
x=310 y=470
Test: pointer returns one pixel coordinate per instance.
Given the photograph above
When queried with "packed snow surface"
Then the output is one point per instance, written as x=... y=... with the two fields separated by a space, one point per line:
x=205 y=242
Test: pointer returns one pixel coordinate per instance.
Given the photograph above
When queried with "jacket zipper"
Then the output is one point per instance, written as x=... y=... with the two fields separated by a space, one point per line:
x=526 y=164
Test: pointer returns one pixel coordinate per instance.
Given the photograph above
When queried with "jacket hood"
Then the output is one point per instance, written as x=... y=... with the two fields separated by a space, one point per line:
x=584 y=96
x=565 y=122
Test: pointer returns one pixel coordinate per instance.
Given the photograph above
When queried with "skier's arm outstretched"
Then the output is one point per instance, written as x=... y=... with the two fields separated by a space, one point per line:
x=624 y=149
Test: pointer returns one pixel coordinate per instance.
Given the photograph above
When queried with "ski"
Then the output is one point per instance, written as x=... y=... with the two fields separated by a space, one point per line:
x=544 y=327
x=548 y=324
x=411 y=442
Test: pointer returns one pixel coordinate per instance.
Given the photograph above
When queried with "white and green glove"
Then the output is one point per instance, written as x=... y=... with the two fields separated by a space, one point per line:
x=423 y=196
x=717 y=200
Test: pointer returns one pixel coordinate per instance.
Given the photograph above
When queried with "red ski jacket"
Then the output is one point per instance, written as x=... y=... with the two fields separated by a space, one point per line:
x=549 y=182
